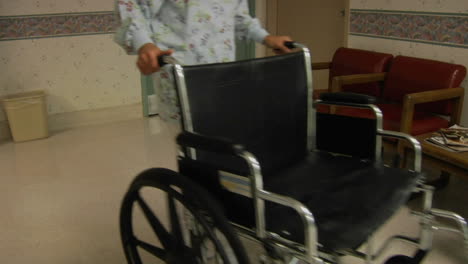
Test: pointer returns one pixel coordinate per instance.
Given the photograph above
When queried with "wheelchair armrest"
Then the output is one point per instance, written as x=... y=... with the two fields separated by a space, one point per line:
x=348 y=98
x=413 y=142
x=212 y=144
x=243 y=186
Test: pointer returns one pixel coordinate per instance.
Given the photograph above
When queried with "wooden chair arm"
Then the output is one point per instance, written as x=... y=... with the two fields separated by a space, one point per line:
x=321 y=65
x=434 y=95
x=410 y=100
x=339 y=81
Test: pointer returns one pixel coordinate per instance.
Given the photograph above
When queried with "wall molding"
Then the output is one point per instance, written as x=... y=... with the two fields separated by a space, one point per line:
x=65 y=121
x=445 y=29
x=384 y=11
x=57 y=25
x=410 y=40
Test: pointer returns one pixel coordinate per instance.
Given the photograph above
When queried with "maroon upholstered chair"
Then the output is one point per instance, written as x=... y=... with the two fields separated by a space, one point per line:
x=348 y=61
x=417 y=94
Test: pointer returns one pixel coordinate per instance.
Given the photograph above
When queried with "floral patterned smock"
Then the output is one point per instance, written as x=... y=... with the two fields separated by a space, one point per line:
x=199 y=31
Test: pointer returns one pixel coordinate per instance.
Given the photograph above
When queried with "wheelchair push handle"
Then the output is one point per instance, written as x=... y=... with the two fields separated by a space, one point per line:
x=166 y=59
x=290 y=44
x=161 y=61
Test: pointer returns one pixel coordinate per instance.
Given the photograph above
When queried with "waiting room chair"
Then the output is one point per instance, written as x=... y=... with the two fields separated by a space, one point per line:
x=348 y=61
x=419 y=95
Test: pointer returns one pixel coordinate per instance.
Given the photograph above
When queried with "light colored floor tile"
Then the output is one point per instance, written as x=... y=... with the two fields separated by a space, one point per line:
x=60 y=196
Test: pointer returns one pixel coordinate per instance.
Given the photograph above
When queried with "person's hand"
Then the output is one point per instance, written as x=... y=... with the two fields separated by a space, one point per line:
x=277 y=43
x=148 y=58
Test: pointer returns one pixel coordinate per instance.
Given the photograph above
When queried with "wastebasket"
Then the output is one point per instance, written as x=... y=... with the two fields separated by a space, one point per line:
x=27 y=115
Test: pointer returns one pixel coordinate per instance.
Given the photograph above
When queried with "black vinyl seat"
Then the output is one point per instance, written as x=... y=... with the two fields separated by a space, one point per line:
x=349 y=198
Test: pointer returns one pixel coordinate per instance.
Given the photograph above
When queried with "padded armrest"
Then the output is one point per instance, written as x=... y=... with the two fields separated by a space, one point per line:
x=212 y=144
x=352 y=98
x=339 y=81
x=413 y=142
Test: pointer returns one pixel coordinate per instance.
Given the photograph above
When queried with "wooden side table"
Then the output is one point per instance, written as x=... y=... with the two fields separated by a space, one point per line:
x=455 y=163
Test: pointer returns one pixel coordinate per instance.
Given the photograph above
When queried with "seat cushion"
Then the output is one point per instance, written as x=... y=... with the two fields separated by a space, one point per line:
x=349 y=198
x=423 y=122
x=348 y=61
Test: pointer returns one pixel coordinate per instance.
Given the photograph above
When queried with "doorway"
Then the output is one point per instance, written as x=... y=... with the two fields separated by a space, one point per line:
x=320 y=25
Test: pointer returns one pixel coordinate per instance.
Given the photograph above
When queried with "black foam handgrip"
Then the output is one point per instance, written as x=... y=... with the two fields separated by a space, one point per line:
x=161 y=60
x=290 y=44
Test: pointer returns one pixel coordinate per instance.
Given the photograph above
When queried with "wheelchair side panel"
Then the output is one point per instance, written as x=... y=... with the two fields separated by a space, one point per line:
x=346 y=135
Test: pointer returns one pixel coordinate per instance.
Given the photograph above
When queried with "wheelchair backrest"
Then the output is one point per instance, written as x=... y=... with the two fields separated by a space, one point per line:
x=259 y=103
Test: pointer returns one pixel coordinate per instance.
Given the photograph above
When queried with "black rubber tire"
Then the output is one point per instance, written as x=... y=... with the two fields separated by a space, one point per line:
x=400 y=259
x=191 y=196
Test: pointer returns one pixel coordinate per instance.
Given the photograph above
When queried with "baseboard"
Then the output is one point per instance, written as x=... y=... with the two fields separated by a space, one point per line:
x=63 y=121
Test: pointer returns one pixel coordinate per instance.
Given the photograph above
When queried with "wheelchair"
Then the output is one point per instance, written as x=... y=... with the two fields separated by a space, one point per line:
x=257 y=161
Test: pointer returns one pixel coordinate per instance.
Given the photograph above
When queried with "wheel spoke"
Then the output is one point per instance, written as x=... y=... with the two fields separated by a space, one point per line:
x=131 y=251
x=164 y=236
x=155 y=251
x=176 y=244
x=175 y=222
x=196 y=245
x=199 y=240
x=211 y=236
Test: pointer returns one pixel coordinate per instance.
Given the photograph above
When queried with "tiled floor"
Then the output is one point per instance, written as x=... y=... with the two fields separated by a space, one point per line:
x=60 y=197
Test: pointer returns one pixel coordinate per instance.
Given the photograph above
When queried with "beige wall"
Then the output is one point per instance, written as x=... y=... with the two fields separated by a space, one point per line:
x=422 y=50
x=261 y=14
x=77 y=73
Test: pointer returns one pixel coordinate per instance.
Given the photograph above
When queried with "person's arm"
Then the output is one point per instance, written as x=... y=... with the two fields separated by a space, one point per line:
x=250 y=28
x=135 y=34
x=134 y=31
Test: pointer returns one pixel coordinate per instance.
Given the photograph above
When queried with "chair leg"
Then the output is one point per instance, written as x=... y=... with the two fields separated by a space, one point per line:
x=440 y=182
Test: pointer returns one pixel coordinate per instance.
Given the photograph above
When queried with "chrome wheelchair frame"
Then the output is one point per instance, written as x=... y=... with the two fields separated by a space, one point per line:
x=287 y=251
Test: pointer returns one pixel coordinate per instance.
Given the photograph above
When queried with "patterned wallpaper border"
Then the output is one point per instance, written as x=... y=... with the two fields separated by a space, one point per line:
x=408 y=12
x=57 y=25
x=445 y=29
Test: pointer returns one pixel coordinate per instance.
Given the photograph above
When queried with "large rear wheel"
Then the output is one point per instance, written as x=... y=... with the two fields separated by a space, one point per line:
x=188 y=223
